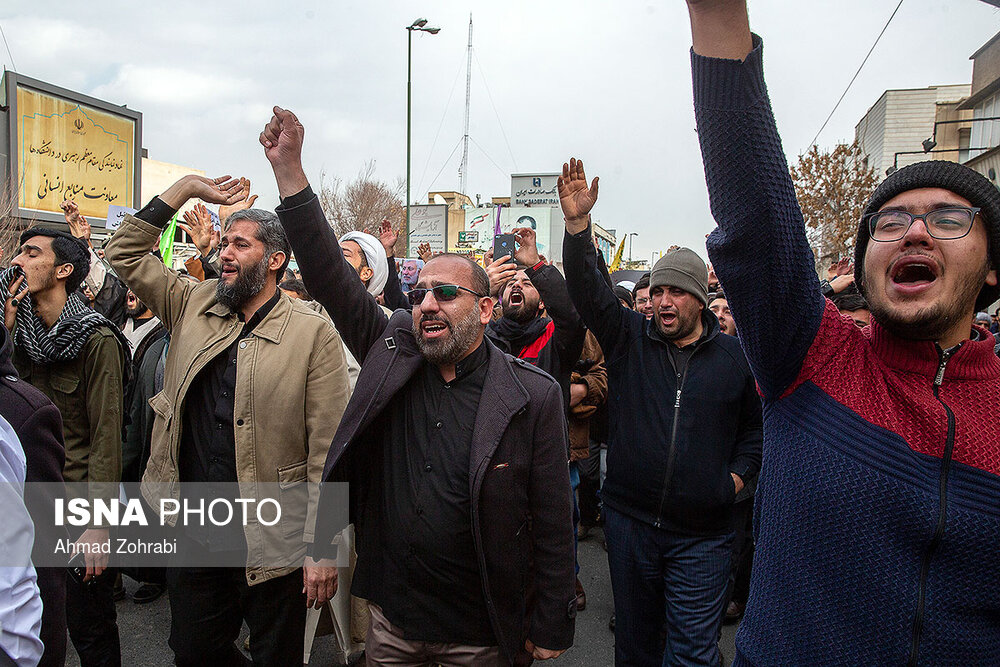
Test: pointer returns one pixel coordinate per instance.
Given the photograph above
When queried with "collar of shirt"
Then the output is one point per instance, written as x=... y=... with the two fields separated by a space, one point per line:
x=466 y=366
x=261 y=313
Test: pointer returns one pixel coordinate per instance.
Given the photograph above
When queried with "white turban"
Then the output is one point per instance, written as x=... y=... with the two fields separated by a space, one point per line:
x=375 y=257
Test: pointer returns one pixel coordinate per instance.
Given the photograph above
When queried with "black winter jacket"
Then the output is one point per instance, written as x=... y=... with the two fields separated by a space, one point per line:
x=673 y=439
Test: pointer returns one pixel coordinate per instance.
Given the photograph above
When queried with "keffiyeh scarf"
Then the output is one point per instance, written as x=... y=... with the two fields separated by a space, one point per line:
x=67 y=336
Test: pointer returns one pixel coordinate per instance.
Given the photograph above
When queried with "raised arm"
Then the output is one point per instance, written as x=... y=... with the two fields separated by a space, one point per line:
x=330 y=279
x=392 y=293
x=551 y=286
x=128 y=252
x=591 y=294
x=759 y=249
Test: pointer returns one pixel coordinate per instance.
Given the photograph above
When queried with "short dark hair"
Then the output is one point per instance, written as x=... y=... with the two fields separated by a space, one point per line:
x=717 y=295
x=296 y=286
x=850 y=301
x=269 y=232
x=642 y=284
x=289 y=274
x=480 y=281
x=68 y=250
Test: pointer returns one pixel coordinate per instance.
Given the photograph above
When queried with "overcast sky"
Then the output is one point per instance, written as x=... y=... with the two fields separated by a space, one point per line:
x=605 y=81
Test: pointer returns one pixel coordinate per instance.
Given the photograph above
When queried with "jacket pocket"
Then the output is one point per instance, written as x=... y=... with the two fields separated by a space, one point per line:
x=161 y=406
x=63 y=395
x=292 y=474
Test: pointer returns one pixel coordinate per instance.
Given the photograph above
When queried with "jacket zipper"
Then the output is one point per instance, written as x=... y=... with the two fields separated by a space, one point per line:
x=672 y=450
x=918 y=619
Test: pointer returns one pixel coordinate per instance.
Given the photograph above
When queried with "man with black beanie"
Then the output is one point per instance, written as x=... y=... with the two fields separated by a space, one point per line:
x=876 y=516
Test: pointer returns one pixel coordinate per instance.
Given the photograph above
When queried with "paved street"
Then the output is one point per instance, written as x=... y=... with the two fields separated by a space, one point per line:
x=144 y=628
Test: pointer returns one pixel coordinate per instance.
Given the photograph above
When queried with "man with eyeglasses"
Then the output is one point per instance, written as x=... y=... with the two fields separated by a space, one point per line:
x=877 y=517
x=456 y=454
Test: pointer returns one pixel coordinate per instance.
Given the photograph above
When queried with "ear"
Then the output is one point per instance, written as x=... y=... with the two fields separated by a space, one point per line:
x=991 y=277
x=366 y=274
x=64 y=271
x=275 y=261
x=485 y=310
x=541 y=305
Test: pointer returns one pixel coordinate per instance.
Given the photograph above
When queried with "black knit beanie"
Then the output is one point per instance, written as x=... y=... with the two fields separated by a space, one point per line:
x=952 y=176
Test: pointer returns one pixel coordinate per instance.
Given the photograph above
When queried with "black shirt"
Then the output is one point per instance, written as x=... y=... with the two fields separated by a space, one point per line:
x=208 y=437
x=427 y=578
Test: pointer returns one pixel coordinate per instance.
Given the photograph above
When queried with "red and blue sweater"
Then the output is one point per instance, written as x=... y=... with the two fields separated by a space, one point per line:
x=878 y=511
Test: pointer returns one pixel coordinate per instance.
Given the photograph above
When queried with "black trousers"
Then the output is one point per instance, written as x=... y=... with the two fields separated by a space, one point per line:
x=590 y=485
x=739 y=578
x=52 y=586
x=93 y=620
x=208 y=607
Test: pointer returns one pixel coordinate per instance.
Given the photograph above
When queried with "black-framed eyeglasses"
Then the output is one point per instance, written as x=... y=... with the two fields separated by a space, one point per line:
x=441 y=293
x=946 y=224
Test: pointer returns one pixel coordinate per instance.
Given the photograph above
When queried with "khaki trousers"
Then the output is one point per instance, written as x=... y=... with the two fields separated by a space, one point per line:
x=386 y=646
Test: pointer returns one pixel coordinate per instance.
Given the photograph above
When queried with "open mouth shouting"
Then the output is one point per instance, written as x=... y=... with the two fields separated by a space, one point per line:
x=515 y=298
x=912 y=275
x=668 y=318
x=432 y=328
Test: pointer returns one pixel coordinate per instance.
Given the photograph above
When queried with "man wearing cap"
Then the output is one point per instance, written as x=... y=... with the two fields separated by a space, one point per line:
x=684 y=437
x=877 y=517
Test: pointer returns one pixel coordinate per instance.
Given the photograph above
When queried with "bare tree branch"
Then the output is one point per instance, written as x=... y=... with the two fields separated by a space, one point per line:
x=832 y=189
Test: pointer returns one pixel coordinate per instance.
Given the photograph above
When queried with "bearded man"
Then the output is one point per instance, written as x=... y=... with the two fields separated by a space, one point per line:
x=253 y=389
x=539 y=323
x=684 y=438
x=455 y=452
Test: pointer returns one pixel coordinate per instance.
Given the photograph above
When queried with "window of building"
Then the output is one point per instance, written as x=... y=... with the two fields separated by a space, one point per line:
x=985 y=134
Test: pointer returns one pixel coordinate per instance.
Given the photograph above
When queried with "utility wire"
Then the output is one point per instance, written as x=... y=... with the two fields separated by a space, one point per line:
x=884 y=28
x=447 y=160
x=483 y=150
x=447 y=106
x=495 y=112
x=12 y=65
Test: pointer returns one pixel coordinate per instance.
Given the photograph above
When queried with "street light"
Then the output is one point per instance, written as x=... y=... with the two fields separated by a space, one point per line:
x=630 y=248
x=419 y=24
x=930 y=143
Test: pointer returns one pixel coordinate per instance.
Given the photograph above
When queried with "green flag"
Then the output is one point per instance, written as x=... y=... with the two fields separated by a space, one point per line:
x=167 y=241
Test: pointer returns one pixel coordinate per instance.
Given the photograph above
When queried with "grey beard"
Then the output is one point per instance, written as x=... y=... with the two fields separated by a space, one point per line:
x=248 y=284
x=450 y=350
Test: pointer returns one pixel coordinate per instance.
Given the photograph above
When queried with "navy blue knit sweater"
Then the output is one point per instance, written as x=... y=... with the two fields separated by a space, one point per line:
x=878 y=509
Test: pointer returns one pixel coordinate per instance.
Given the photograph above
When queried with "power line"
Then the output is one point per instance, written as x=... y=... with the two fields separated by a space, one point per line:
x=483 y=150
x=447 y=160
x=447 y=106
x=884 y=28
x=12 y=65
x=489 y=95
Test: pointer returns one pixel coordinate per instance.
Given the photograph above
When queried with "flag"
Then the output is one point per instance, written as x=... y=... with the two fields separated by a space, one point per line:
x=496 y=225
x=616 y=264
x=167 y=241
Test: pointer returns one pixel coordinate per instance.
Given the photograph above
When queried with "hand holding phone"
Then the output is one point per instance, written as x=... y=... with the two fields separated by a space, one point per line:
x=503 y=245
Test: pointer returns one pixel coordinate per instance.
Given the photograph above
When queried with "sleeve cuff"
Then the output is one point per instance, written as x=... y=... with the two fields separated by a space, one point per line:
x=729 y=84
x=157 y=213
x=298 y=198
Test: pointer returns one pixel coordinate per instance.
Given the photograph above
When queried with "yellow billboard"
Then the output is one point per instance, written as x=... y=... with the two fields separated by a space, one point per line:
x=67 y=150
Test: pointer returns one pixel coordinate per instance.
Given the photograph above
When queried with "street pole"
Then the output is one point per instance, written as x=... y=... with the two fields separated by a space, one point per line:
x=419 y=24
x=409 y=53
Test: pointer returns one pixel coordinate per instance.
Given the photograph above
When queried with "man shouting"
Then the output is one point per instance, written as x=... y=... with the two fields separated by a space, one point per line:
x=455 y=451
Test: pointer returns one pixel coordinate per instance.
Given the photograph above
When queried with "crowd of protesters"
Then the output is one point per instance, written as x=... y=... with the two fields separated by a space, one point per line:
x=818 y=458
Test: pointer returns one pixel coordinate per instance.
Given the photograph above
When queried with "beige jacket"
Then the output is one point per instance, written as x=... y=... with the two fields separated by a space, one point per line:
x=291 y=384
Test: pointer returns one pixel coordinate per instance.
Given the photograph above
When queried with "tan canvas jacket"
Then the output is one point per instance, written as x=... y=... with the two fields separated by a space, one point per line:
x=291 y=382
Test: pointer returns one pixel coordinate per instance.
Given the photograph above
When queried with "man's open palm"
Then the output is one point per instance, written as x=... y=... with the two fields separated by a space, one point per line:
x=575 y=197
